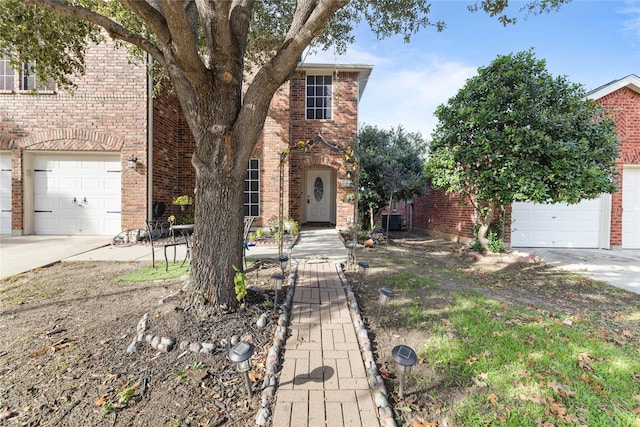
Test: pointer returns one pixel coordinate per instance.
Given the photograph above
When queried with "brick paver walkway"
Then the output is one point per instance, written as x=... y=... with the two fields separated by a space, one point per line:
x=323 y=381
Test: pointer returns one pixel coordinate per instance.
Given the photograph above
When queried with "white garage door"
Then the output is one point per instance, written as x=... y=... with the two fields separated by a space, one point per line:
x=5 y=193
x=631 y=208
x=77 y=194
x=556 y=226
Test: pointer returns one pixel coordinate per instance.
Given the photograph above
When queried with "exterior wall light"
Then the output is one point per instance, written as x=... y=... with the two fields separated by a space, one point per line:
x=385 y=295
x=405 y=357
x=240 y=354
x=131 y=162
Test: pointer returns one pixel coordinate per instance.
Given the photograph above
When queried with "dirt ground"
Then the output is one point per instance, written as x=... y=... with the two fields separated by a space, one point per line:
x=64 y=331
x=64 y=334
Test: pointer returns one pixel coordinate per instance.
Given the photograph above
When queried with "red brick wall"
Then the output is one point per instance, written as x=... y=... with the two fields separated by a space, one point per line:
x=106 y=113
x=173 y=145
x=625 y=107
x=440 y=214
x=340 y=132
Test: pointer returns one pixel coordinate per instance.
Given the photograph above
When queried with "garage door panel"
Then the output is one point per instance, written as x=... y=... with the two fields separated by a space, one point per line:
x=5 y=193
x=77 y=189
x=631 y=207
x=556 y=225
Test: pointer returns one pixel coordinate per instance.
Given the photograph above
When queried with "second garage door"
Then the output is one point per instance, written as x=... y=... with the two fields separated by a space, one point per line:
x=631 y=207
x=77 y=194
x=556 y=226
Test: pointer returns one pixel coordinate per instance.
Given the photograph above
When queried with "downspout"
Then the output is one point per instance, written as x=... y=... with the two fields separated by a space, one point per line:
x=149 y=138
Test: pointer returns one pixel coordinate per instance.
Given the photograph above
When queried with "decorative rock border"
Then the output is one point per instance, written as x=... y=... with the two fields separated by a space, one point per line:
x=376 y=382
x=273 y=355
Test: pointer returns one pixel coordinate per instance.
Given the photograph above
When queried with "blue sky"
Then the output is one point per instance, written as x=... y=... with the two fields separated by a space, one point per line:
x=591 y=42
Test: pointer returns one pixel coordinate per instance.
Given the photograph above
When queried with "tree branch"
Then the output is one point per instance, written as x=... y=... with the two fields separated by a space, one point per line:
x=115 y=30
x=182 y=43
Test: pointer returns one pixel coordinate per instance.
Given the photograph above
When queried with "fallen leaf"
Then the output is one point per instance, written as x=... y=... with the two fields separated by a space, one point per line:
x=101 y=400
x=637 y=410
x=492 y=398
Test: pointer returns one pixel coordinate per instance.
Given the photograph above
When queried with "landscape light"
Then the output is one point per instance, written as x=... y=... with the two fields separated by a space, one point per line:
x=405 y=357
x=240 y=354
x=277 y=284
x=385 y=295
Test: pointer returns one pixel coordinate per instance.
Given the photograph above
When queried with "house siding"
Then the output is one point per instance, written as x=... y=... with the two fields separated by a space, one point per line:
x=106 y=113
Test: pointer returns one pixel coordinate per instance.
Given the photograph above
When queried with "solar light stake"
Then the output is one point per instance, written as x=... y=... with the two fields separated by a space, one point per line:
x=240 y=354
x=283 y=260
x=405 y=357
x=385 y=295
x=362 y=269
x=277 y=280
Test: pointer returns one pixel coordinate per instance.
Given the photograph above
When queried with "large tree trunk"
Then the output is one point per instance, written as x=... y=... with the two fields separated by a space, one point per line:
x=217 y=243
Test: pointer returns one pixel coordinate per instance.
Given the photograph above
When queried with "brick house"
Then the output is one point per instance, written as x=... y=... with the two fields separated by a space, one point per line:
x=109 y=156
x=609 y=221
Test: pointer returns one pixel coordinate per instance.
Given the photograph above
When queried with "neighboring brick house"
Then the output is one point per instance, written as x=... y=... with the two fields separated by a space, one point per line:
x=103 y=159
x=609 y=221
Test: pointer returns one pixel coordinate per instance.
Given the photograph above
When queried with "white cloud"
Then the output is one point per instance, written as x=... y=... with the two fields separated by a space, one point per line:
x=409 y=95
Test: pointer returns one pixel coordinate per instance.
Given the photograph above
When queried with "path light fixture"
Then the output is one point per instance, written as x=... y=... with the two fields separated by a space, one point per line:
x=351 y=256
x=362 y=269
x=277 y=284
x=385 y=295
x=283 y=260
x=240 y=354
x=405 y=357
x=289 y=249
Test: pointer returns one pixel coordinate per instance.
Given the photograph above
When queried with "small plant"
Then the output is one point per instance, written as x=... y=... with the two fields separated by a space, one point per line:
x=185 y=199
x=182 y=375
x=251 y=236
x=260 y=233
x=240 y=284
x=495 y=243
x=197 y=366
x=107 y=407
x=291 y=226
x=126 y=395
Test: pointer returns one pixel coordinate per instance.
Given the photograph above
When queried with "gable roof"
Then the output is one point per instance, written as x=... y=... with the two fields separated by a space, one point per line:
x=363 y=70
x=631 y=81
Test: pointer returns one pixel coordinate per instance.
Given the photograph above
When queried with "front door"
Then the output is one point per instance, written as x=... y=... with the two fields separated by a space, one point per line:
x=318 y=195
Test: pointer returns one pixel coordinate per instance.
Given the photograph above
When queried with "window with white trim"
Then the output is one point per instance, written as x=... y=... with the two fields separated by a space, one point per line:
x=319 y=97
x=252 y=189
x=30 y=81
x=7 y=75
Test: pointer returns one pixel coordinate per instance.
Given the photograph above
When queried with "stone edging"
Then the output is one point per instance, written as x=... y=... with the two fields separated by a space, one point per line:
x=270 y=381
x=376 y=382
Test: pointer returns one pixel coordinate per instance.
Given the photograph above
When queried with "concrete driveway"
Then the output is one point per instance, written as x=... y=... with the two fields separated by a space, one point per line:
x=23 y=253
x=620 y=268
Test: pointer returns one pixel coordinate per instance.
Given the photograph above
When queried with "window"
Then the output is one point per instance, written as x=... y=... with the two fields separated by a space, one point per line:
x=319 y=97
x=29 y=80
x=252 y=189
x=7 y=75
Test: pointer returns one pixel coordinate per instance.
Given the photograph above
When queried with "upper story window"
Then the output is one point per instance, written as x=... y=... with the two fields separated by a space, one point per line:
x=319 y=97
x=30 y=81
x=24 y=80
x=7 y=75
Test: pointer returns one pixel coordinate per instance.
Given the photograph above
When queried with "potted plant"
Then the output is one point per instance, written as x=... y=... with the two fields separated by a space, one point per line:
x=183 y=201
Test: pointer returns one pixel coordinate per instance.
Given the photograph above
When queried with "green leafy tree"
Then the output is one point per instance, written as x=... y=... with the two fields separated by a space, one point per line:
x=391 y=164
x=516 y=133
x=203 y=47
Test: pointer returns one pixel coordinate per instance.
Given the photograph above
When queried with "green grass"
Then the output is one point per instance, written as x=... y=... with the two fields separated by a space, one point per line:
x=149 y=273
x=407 y=281
x=522 y=365
x=12 y=293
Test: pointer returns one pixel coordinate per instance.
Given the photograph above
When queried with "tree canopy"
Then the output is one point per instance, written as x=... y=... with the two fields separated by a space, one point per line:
x=391 y=165
x=516 y=133
x=204 y=47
